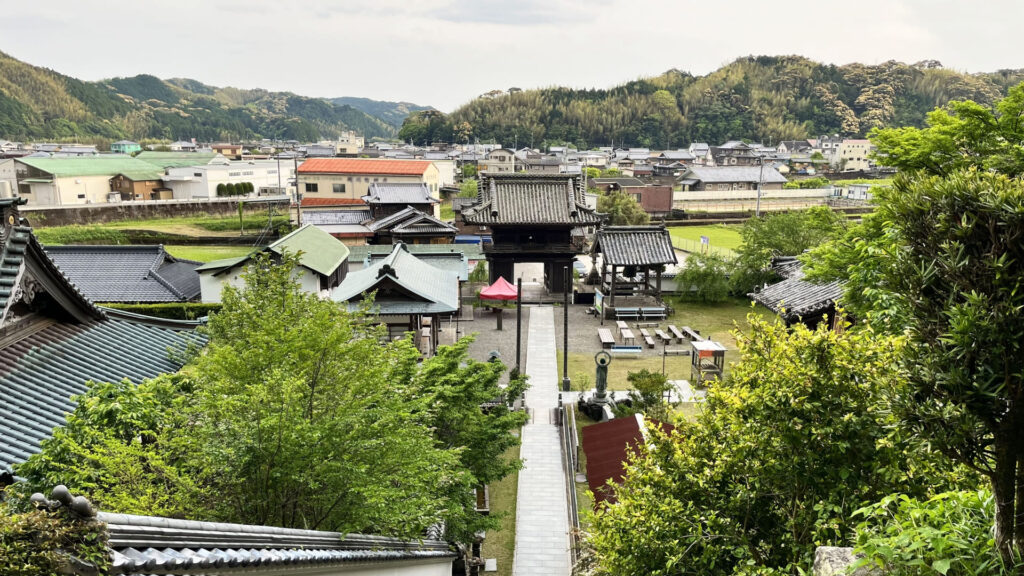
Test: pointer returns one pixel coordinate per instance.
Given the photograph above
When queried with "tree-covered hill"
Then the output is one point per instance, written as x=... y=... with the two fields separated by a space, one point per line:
x=394 y=113
x=762 y=98
x=37 y=103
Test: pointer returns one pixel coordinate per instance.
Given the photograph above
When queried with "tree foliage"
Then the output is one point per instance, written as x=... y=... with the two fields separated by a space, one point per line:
x=704 y=278
x=297 y=413
x=621 y=209
x=798 y=437
x=647 y=395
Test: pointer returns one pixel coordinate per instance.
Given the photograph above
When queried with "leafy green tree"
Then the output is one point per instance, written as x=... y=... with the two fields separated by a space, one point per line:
x=786 y=448
x=941 y=262
x=622 y=209
x=593 y=173
x=704 y=278
x=611 y=173
x=783 y=234
x=648 y=395
x=469 y=170
x=816 y=182
x=230 y=189
x=965 y=134
x=479 y=272
x=468 y=188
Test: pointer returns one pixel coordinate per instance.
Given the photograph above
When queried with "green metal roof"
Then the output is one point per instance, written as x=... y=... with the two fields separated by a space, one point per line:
x=318 y=251
x=164 y=160
x=427 y=290
x=95 y=166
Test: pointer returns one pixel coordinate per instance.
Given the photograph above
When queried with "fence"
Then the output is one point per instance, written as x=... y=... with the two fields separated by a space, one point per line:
x=687 y=245
x=571 y=463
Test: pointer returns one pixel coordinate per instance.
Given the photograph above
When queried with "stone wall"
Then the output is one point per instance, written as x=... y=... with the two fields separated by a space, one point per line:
x=834 y=561
x=144 y=210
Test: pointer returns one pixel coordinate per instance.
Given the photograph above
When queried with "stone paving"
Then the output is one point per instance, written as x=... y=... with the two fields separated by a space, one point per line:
x=542 y=520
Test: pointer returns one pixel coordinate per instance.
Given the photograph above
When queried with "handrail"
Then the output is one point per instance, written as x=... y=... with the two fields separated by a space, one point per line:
x=567 y=432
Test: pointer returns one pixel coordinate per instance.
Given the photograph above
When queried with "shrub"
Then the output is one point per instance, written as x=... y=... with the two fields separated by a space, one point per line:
x=230 y=189
x=36 y=542
x=221 y=189
x=169 y=310
x=705 y=278
x=479 y=273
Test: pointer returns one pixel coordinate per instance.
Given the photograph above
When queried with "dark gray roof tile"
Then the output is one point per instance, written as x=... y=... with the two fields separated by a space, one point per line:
x=635 y=245
x=530 y=198
x=127 y=273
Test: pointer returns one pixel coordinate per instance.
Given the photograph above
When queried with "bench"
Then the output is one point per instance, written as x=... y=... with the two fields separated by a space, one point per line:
x=607 y=340
x=633 y=313
x=691 y=334
x=652 y=312
x=626 y=350
x=664 y=337
x=677 y=351
x=621 y=325
x=646 y=324
x=676 y=333
x=628 y=337
x=647 y=337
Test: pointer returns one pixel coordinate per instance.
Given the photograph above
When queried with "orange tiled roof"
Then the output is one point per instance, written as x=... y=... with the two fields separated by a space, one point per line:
x=364 y=166
x=332 y=202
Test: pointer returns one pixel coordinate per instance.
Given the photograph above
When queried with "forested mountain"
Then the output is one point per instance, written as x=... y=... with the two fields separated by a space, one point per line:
x=761 y=98
x=37 y=103
x=394 y=113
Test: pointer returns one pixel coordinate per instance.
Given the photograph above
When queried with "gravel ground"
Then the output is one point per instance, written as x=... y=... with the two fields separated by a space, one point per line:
x=488 y=338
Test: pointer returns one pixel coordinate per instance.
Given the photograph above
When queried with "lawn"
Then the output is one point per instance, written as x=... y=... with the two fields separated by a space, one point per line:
x=501 y=543
x=720 y=235
x=447 y=213
x=199 y=225
x=208 y=253
x=714 y=321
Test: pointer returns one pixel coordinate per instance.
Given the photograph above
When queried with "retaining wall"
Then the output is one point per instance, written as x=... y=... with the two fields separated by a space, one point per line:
x=145 y=210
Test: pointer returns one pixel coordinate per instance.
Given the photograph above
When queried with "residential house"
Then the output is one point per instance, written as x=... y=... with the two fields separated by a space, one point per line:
x=853 y=155
x=386 y=199
x=127 y=274
x=125 y=147
x=794 y=147
x=673 y=157
x=229 y=151
x=182 y=146
x=411 y=226
x=828 y=146
x=409 y=295
x=608 y=184
x=319 y=151
x=54 y=341
x=594 y=159
x=655 y=200
x=734 y=153
x=322 y=263
x=701 y=153
x=541 y=164
x=499 y=160
x=700 y=178
x=346 y=180
x=144 y=183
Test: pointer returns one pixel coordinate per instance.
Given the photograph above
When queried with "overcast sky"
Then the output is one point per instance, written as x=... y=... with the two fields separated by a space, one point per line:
x=445 y=52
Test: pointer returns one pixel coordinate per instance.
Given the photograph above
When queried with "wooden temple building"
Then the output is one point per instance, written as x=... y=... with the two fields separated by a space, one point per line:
x=532 y=217
x=632 y=261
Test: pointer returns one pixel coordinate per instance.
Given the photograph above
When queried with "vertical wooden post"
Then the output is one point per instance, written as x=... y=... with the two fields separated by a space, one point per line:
x=519 y=322
x=565 y=334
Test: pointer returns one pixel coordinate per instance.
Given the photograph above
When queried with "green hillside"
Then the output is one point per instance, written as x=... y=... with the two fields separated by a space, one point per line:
x=394 y=113
x=37 y=103
x=760 y=98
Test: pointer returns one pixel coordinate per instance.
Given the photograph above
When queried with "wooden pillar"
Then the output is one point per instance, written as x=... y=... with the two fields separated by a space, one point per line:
x=657 y=280
x=647 y=281
x=611 y=296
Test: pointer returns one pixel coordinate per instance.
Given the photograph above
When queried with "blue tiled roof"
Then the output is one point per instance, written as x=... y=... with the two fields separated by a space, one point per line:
x=40 y=373
x=127 y=273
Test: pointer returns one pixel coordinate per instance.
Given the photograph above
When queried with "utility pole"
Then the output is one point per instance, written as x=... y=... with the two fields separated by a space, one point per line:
x=298 y=195
x=519 y=322
x=760 y=179
x=565 y=334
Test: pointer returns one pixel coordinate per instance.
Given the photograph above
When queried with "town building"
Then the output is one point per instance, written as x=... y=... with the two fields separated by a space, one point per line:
x=54 y=340
x=127 y=274
x=701 y=178
x=411 y=226
x=69 y=181
x=229 y=151
x=348 y=179
x=385 y=199
x=734 y=153
x=539 y=165
x=182 y=146
x=125 y=147
x=268 y=177
x=853 y=155
x=497 y=161
x=322 y=263
x=76 y=151
x=347 y=225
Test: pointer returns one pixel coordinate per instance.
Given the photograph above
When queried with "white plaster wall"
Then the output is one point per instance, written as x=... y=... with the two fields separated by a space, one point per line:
x=210 y=285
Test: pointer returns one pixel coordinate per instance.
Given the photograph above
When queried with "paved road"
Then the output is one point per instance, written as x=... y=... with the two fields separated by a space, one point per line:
x=542 y=523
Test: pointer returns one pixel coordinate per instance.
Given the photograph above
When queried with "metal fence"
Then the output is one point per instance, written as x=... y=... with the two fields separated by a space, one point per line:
x=687 y=245
x=571 y=463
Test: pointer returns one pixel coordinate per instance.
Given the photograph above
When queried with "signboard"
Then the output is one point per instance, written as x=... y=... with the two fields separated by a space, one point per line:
x=705 y=240
x=598 y=301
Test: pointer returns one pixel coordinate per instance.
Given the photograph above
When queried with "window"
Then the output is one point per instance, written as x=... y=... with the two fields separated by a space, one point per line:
x=81 y=196
x=366 y=179
x=349 y=178
x=197 y=174
x=311 y=187
x=374 y=179
x=338 y=188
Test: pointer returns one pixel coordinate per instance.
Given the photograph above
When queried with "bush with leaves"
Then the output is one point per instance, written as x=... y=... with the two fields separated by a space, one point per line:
x=647 y=396
x=798 y=437
x=479 y=273
x=704 y=278
x=949 y=534
x=468 y=188
x=37 y=542
x=622 y=209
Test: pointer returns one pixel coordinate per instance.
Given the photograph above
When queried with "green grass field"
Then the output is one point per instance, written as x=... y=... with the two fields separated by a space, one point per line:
x=447 y=213
x=208 y=253
x=199 y=225
x=720 y=235
x=501 y=543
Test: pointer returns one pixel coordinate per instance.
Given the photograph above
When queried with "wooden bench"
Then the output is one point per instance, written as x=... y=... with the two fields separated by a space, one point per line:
x=607 y=340
x=664 y=337
x=691 y=334
x=652 y=312
x=633 y=313
x=628 y=337
x=621 y=325
x=646 y=324
x=676 y=333
x=647 y=337
x=677 y=351
x=626 y=350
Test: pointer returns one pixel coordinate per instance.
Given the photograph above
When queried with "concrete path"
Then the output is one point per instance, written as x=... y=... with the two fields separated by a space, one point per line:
x=542 y=519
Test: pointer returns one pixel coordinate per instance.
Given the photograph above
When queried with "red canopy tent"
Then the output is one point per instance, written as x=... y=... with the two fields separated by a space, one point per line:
x=500 y=290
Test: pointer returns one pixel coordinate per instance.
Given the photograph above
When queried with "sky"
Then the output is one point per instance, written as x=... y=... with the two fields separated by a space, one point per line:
x=443 y=53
